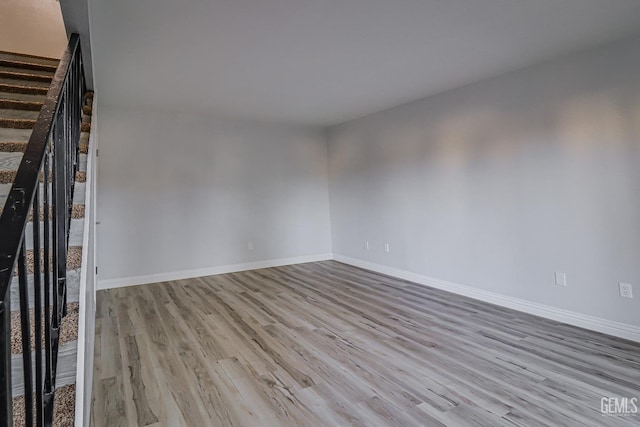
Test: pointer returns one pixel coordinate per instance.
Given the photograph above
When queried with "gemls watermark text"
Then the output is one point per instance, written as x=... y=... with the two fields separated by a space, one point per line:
x=619 y=406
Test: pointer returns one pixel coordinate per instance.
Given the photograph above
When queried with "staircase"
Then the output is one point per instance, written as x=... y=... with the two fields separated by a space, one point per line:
x=24 y=83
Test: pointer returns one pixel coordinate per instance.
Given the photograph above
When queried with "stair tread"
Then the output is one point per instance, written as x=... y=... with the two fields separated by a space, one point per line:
x=12 y=113
x=20 y=147
x=76 y=231
x=13 y=147
x=23 y=97
x=68 y=328
x=13 y=123
x=23 y=135
x=77 y=211
x=7 y=177
x=63 y=404
x=11 y=67
x=11 y=161
x=74 y=258
x=23 y=63
x=14 y=135
x=73 y=288
x=67 y=357
x=22 y=82
x=20 y=104
x=26 y=75
x=78 y=195
x=25 y=57
x=21 y=87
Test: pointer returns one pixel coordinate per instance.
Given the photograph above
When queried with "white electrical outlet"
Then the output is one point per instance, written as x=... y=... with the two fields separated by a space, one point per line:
x=250 y=245
x=387 y=248
x=561 y=279
x=626 y=290
x=366 y=245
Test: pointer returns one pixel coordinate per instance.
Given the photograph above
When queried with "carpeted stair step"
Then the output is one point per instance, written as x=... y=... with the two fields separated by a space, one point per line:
x=21 y=75
x=14 y=79
x=9 y=162
x=76 y=230
x=12 y=146
x=23 y=135
x=27 y=65
x=68 y=348
x=23 y=57
x=63 y=407
x=74 y=259
x=17 y=123
x=23 y=88
x=14 y=135
x=68 y=327
x=77 y=211
x=10 y=68
x=73 y=288
x=19 y=147
x=13 y=129
x=16 y=104
x=78 y=194
x=8 y=176
x=14 y=113
x=67 y=355
x=39 y=98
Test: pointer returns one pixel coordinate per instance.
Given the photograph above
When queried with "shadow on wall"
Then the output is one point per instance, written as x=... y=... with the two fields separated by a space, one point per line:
x=33 y=27
x=185 y=192
x=499 y=184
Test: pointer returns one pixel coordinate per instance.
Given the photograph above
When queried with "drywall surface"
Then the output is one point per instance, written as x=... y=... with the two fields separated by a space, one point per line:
x=88 y=282
x=75 y=14
x=32 y=26
x=182 y=192
x=310 y=62
x=500 y=184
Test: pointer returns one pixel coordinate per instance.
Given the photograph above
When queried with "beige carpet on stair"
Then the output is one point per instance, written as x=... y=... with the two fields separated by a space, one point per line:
x=68 y=328
x=64 y=407
x=74 y=259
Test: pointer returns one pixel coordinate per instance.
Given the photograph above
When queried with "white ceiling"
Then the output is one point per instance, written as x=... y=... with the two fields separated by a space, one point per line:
x=324 y=62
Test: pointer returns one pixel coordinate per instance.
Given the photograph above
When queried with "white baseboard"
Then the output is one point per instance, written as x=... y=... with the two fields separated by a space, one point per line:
x=617 y=329
x=210 y=271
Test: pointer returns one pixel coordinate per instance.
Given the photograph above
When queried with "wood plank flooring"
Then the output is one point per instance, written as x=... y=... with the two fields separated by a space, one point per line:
x=326 y=344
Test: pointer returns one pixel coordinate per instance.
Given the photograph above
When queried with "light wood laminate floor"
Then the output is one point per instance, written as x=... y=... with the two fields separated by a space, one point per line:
x=326 y=344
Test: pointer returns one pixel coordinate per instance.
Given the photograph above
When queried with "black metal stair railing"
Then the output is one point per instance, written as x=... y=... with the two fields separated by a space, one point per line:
x=42 y=191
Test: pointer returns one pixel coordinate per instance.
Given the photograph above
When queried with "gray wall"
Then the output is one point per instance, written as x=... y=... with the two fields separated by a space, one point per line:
x=500 y=184
x=86 y=331
x=76 y=20
x=181 y=192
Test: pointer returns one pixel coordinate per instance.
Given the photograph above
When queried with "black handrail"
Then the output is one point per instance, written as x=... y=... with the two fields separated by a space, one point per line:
x=51 y=155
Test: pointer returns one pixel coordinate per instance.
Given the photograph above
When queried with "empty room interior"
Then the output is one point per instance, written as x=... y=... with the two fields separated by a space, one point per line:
x=320 y=213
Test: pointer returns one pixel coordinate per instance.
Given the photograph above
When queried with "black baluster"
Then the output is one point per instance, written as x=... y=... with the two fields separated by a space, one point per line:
x=37 y=302
x=6 y=403
x=48 y=349
x=26 y=333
